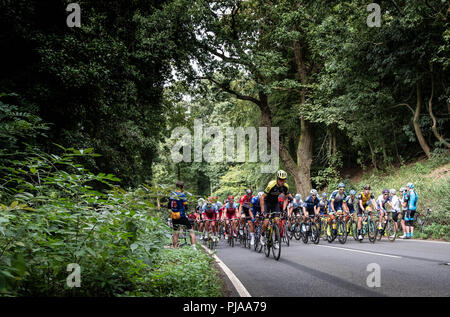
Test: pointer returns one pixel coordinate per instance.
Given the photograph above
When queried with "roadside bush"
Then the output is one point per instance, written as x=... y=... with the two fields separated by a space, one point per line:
x=51 y=215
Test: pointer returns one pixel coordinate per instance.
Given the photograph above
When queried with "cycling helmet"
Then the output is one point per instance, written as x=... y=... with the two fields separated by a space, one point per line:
x=200 y=202
x=367 y=187
x=260 y=194
x=324 y=195
x=393 y=191
x=281 y=174
x=248 y=192
x=352 y=192
x=313 y=192
x=410 y=185
x=402 y=189
x=385 y=191
x=298 y=196
x=341 y=185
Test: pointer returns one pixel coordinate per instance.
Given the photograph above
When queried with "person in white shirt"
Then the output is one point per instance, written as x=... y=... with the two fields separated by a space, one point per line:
x=395 y=203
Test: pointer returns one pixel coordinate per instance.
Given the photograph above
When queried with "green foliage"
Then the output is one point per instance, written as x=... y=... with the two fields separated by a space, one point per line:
x=433 y=190
x=98 y=86
x=51 y=216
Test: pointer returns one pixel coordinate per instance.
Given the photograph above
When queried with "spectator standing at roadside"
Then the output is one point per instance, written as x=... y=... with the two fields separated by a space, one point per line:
x=178 y=205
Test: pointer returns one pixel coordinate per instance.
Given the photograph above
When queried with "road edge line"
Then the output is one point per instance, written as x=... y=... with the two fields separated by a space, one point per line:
x=240 y=288
x=361 y=251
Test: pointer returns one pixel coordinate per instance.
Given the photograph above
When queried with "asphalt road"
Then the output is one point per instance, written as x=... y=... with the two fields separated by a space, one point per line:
x=405 y=267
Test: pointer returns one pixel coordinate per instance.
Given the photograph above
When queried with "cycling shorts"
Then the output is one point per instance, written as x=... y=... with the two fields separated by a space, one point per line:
x=272 y=208
x=182 y=221
x=230 y=215
x=209 y=216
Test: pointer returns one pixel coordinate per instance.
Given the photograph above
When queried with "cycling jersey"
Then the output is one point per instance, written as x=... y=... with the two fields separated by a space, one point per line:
x=178 y=202
x=230 y=210
x=256 y=207
x=310 y=204
x=219 y=208
x=381 y=202
x=323 y=204
x=337 y=199
x=272 y=192
x=296 y=204
x=352 y=204
x=412 y=200
x=210 y=213
x=246 y=201
x=366 y=199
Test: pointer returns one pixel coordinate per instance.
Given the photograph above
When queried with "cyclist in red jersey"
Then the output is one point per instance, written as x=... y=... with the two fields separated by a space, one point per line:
x=245 y=205
x=230 y=214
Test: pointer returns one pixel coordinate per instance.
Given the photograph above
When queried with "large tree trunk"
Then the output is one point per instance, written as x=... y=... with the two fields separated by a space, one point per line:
x=430 y=110
x=304 y=149
x=420 y=138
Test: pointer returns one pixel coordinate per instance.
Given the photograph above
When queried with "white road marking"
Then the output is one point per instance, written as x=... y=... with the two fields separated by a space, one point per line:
x=367 y=252
x=236 y=283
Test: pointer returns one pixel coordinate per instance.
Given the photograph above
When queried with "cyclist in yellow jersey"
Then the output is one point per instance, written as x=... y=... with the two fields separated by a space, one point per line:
x=366 y=201
x=270 y=201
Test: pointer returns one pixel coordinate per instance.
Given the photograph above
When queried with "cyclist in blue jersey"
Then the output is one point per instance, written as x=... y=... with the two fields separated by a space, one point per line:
x=255 y=205
x=410 y=203
x=311 y=205
x=178 y=205
x=351 y=207
x=337 y=204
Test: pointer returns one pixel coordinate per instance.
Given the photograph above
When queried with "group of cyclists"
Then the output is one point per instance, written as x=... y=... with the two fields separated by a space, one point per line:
x=277 y=202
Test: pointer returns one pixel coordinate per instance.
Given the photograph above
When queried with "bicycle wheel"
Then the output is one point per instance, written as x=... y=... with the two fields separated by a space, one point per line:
x=390 y=230
x=257 y=237
x=285 y=233
x=378 y=232
x=268 y=244
x=289 y=230
x=354 y=229
x=244 y=236
x=331 y=235
x=249 y=238
x=322 y=227
x=371 y=230
x=276 y=240
x=342 y=231
x=315 y=233
x=304 y=232
x=297 y=232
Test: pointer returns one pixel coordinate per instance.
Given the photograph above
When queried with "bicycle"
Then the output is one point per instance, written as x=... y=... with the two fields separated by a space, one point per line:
x=388 y=228
x=211 y=239
x=337 y=228
x=284 y=229
x=182 y=236
x=258 y=225
x=296 y=227
x=246 y=234
x=323 y=226
x=310 y=230
x=368 y=227
x=352 y=228
x=230 y=233
x=422 y=220
x=272 y=238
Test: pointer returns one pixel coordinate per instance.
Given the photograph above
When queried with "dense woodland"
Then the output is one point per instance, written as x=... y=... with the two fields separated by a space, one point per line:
x=96 y=105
